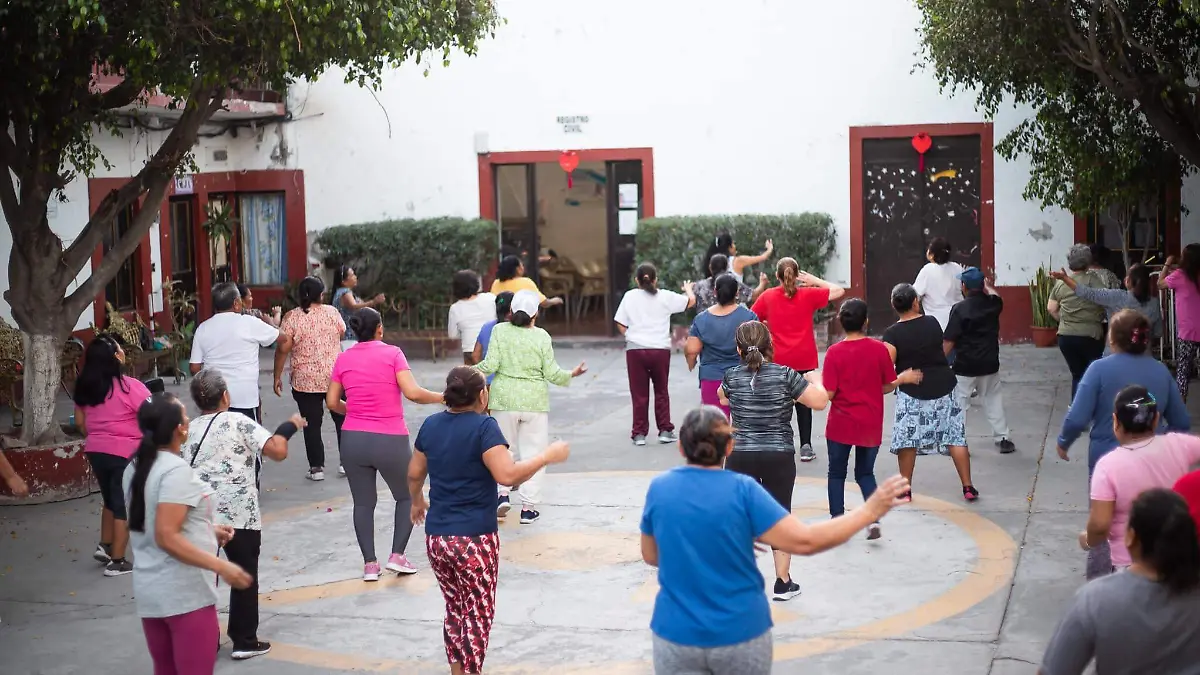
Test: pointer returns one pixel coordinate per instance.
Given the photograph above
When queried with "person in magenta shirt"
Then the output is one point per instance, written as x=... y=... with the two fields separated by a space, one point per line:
x=787 y=309
x=1185 y=282
x=1141 y=462
x=106 y=408
x=375 y=378
x=858 y=372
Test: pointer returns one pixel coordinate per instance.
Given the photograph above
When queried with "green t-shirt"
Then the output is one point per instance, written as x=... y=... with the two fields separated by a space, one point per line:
x=1077 y=316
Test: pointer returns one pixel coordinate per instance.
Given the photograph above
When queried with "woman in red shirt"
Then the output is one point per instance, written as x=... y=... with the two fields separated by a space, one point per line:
x=787 y=309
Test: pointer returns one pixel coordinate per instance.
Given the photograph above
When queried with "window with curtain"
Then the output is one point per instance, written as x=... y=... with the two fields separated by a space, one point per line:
x=264 y=251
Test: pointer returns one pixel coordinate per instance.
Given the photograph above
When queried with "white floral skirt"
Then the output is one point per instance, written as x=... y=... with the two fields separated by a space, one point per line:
x=930 y=426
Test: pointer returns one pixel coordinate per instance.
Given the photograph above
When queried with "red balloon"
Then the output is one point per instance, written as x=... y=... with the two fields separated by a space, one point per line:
x=922 y=142
x=568 y=160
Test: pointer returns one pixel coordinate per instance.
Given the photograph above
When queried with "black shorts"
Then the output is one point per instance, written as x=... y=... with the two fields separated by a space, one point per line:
x=109 y=471
x=775 y=471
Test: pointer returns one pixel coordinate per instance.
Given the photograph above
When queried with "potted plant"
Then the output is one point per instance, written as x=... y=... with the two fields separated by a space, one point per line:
x=1045 y=326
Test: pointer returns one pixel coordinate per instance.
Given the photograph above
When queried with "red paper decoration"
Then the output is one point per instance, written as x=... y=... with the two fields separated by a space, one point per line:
x=569 y=161
x=921 y=143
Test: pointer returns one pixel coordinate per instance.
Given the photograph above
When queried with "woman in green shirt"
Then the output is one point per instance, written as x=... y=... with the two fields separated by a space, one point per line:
x=522 y=358
x=1080 y=322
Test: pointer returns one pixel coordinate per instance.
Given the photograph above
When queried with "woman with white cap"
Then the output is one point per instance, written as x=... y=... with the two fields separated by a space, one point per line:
x=522 y=357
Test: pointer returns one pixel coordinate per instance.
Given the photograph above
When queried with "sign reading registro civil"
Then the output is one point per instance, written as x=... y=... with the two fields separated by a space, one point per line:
x=572 y=124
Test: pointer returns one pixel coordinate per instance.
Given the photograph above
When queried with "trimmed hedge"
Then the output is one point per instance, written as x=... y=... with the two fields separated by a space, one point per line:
x=677 y=244
x=411 y=260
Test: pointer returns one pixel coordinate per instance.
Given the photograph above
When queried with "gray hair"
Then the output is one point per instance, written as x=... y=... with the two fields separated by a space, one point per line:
x=208 y=386
x=225 y=296
x=1079 y=257
x=903 y=297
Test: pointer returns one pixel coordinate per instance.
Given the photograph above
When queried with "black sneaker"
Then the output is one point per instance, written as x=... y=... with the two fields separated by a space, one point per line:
x=874 y=531
x=118 y=567
x=103 y=554
x=502 y=506
x=251 y=650
x=970 y=493
x=785 y=590
x=1006 y=446
x=529 y=516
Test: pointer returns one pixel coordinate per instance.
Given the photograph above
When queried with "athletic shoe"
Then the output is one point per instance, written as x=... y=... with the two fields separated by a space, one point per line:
x=807 y=454
x=639 y=440
x=341 y=471
x=874 y=532
x=371 y=571
x=503 y=506
x=251 y=650
x=529 y=516
x=315 y=474
x=785 y=590
x=665 y=437
x=118 y=567
x=398 y=563
x=970 y=493
x=1006 y=446
x=103 y=554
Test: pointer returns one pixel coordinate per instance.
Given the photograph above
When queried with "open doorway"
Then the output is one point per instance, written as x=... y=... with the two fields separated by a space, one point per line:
x=568 y=233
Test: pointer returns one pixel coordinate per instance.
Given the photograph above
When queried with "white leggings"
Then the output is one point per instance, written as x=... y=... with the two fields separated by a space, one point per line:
x=528 y=434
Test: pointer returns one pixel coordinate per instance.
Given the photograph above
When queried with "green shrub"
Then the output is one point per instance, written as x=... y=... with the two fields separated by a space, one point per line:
x=411 y=261
x=677 y=244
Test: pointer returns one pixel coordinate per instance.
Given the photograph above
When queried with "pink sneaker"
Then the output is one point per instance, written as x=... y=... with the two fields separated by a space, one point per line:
x=399 y=564
x=371 y=571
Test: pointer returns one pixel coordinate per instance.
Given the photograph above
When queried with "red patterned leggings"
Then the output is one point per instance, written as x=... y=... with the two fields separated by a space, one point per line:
x=466 y=569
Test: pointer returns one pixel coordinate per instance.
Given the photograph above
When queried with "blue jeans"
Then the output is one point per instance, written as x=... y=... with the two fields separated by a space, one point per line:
x=864 y=473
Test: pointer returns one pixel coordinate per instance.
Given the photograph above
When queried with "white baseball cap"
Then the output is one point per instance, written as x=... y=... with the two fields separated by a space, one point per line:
x=526 y=301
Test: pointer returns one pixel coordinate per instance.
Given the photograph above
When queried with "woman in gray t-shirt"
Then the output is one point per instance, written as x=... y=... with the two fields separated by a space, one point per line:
x=1144 y=619
x=174 y=543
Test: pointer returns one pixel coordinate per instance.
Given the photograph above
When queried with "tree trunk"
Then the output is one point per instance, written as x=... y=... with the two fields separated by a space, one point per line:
x=42 y=377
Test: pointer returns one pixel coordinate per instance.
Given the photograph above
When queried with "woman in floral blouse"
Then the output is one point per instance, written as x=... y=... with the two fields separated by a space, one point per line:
x=226 y=450
x=522 y=357
x=312 y=336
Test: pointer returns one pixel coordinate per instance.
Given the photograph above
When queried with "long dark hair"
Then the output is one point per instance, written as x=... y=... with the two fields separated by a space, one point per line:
x=646 y=276
x=939 y=250
x=1136 y=409
x=721 y=245
x=100 y=373
x=1191 y=263
x=364 y=322
x=1166 y=535
x=504 y=306
x=726 y=289
x=1139 y=279
x=310 y=291
x=158 y=419
x=705 y=435
x=339 y=275
x=717 y=265
x=508 y=268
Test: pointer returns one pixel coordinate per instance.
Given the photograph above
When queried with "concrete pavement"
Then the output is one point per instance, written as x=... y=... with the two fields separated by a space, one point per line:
x=951 y=588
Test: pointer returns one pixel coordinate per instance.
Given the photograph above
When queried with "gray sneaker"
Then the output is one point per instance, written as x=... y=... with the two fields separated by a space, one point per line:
x=667 y=437
x=118 y=567
x=639 y=440
x=807 y=454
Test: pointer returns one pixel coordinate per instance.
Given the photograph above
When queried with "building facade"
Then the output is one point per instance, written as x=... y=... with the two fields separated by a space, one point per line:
x=776 y=107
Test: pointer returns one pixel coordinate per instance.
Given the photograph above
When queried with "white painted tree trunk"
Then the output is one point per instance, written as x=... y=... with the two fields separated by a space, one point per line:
x=42 y=376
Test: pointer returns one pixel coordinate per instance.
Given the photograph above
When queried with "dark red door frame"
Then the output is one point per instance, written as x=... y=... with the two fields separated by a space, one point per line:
x=488 y=163
x=987 y=223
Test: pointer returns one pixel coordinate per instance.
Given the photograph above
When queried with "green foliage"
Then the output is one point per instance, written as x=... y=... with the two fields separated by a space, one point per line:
x=1039 y=294
x=411 y=261
x=677 y=245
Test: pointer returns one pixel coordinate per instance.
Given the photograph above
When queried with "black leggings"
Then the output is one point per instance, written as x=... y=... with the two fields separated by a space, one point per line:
x=1079 y=351
x=312 y=409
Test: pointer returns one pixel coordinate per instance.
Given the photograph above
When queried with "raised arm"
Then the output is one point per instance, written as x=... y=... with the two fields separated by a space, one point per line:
x=741 y=262
x=793 y=536
x=813 y=281
x=500 y=464
x=1108 y=298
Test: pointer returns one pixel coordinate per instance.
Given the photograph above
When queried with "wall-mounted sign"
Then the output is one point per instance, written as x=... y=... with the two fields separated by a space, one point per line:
x=183 y=185
x=572 y=124
x=627 y=196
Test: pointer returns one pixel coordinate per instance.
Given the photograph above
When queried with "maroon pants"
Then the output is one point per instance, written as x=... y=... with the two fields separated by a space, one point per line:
x=466 y=569
x=646 y=366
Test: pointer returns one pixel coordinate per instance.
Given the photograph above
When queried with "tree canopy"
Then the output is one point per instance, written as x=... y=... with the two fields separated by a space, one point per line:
x=195 y=51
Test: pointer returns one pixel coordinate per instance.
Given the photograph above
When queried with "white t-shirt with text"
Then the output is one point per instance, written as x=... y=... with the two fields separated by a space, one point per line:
x=229 y=343
x=647 y=317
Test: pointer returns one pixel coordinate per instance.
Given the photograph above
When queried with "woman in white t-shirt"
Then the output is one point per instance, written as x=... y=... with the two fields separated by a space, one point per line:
x=470 y=311
x=937 y=283
x=644 y=318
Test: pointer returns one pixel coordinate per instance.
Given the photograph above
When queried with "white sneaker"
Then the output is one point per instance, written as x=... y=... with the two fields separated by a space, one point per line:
x=341 y=471
x=315 y=474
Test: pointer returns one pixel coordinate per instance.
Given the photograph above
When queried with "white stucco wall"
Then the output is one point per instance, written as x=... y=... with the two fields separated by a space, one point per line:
x=746 y=111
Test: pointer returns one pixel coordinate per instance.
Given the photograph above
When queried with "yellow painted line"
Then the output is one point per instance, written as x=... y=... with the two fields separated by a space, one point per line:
x=992 y=571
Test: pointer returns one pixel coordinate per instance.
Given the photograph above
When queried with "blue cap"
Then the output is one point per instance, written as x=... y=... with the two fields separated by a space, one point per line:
x=972 y=278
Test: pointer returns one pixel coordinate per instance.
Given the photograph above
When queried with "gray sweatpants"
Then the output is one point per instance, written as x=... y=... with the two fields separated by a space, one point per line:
x=752 y=657
x=365 y=454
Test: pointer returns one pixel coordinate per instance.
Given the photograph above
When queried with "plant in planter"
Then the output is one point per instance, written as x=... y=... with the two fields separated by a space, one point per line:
x=218 y=227
x=1045 y=326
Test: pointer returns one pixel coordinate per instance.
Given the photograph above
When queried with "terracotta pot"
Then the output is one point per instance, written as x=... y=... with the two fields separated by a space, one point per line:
x=53 y=472
x=1044 y=337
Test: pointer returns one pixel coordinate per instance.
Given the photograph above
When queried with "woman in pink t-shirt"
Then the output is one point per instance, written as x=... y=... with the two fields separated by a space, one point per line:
x=373 y=376
x=1185 y=282
x=106 y=407
x=1141 y=462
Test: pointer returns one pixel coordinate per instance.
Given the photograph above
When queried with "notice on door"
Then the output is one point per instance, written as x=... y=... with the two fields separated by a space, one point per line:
x=183 y=185
x=627 y=221
x=627 y=196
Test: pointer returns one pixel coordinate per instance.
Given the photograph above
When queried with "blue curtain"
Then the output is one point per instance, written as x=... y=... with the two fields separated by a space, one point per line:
x=264 y=254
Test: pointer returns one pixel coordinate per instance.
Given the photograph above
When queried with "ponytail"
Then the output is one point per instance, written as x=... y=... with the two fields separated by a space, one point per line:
x=158 y=418
x=647 y=276
x=787 y=270
x=310 y=291
x=704 y=436
x=753 y=341
x=1164 y=534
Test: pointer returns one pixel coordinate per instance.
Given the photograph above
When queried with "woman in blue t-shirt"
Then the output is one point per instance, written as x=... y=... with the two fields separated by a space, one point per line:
x=465 y=456
x=699 y=529
x=710 y=339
